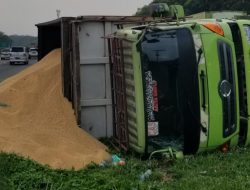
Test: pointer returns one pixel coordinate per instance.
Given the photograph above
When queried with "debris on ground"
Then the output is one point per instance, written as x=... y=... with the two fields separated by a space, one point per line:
x=114 y=161
x=40 y=122
x=145 y=175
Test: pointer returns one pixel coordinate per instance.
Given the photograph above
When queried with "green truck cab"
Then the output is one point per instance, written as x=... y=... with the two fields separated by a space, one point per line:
x=181 y=87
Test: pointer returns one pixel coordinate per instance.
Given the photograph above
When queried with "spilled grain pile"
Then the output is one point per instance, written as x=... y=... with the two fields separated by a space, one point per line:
x=37 y=122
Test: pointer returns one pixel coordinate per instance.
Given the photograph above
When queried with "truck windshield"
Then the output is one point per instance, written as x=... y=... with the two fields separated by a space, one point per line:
x=17 y=49
x=170 y=73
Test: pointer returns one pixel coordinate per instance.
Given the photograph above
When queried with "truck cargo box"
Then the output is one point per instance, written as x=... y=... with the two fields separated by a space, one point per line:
x=85 y=64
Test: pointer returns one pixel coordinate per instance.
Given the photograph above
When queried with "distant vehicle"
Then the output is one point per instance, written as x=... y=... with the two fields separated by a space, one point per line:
x=5 y=54
x=19 y=54
x=33 y=53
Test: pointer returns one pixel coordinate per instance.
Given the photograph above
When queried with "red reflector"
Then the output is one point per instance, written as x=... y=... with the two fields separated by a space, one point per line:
x=225 y=147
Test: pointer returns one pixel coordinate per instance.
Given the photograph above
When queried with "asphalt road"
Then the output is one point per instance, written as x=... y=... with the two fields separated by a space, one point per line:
x=7 y=70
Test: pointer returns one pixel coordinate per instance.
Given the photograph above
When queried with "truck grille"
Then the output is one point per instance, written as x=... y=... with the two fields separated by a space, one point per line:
x=227 y=89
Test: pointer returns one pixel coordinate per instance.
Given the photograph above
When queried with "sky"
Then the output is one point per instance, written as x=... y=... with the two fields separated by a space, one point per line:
x=20 y=16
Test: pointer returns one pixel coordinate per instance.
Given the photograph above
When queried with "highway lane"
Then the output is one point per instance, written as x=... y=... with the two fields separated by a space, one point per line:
x=7 y=70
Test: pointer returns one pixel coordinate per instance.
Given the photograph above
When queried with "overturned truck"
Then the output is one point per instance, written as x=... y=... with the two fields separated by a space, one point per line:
x=160 y=84
x=181 y=86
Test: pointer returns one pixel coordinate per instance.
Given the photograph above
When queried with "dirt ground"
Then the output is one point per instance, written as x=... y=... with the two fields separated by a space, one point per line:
x=36 y=121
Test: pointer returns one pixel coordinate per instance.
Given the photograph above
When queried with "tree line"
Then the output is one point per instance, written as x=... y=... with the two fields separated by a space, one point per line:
x=17 y=40
x=195 y=6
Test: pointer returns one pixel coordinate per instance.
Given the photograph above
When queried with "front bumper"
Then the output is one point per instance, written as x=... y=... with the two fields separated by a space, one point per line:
x=5 y=57
x=18 y=59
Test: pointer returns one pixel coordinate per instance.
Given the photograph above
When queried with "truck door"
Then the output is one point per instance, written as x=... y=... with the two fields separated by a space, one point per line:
x=244 y=27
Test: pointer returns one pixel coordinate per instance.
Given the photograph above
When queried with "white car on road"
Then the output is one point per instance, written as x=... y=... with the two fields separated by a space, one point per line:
x=19 y=54
x=5 y=54
x=33 y=53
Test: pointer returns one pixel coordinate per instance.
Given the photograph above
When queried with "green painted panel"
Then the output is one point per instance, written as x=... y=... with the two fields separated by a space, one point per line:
x=215 y=132
x=139 y=98
x=244 y=26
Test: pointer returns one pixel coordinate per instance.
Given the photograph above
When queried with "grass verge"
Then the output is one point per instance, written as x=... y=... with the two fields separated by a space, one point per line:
x=207 y=171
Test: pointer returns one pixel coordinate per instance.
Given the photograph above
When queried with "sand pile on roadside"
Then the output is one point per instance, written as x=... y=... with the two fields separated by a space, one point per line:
x=39 y=122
